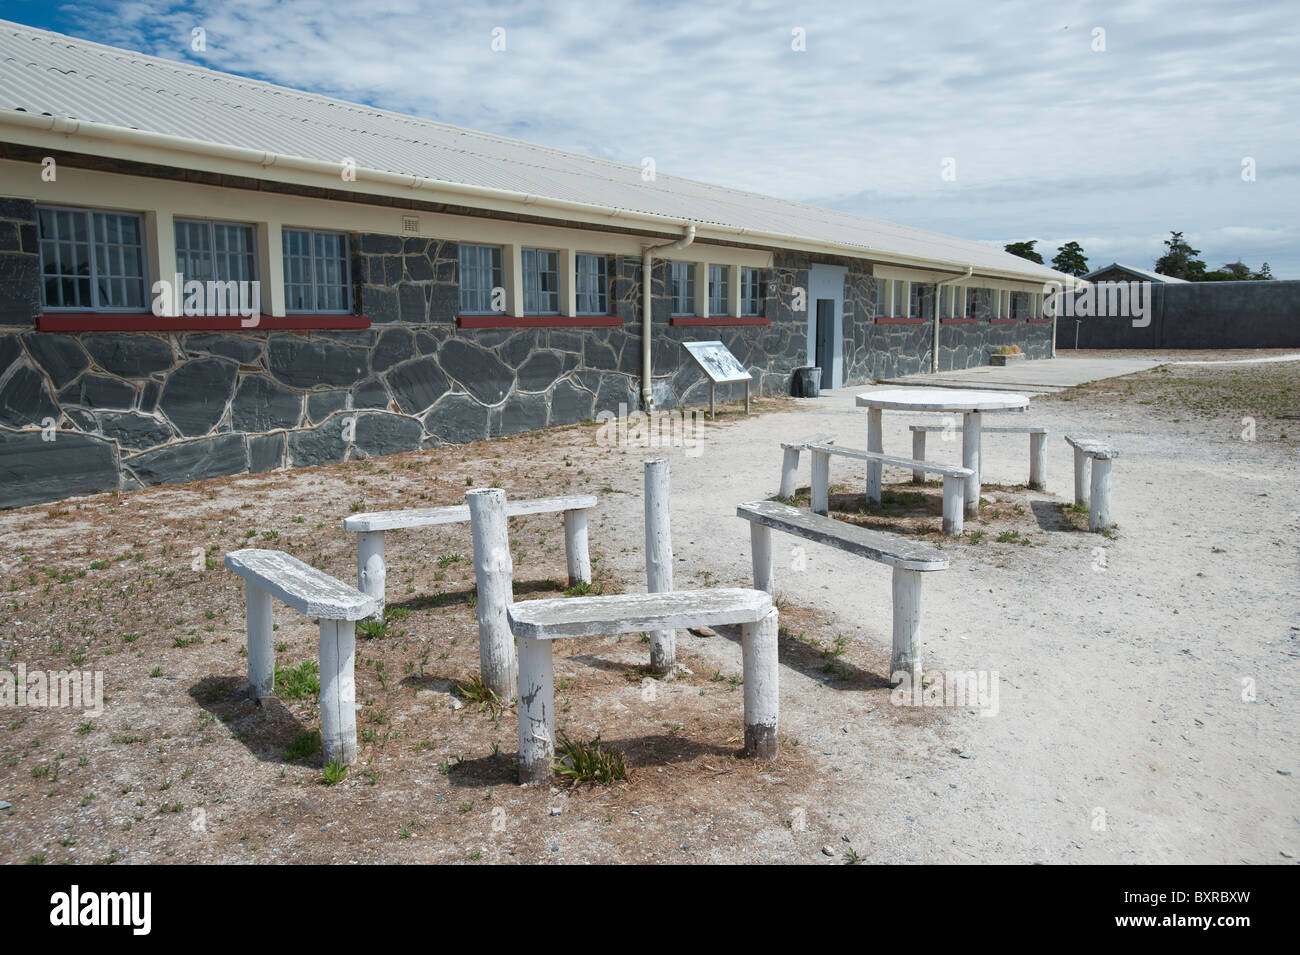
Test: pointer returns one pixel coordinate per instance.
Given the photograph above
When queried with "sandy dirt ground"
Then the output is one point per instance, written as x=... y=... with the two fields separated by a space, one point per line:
x=1146 y=705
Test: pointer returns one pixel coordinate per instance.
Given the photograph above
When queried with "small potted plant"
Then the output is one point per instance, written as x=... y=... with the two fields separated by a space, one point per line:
x=1006 y=355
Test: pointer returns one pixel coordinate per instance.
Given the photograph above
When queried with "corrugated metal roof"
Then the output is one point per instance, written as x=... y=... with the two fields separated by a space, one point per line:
x=49 y=73
x=1134 y=270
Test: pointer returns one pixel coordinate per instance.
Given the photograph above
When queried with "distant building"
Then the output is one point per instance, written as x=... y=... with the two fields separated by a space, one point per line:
x=1128 y=273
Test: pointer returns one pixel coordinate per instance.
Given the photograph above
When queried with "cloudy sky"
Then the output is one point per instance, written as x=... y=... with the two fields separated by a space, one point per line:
x=1105 y=123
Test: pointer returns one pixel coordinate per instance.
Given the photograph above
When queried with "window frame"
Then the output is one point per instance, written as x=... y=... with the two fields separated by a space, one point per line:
x=603 y=280
x=254 y=257
x=349 y=303
x=535 y=254
x=722 y=282
x=91 y=242
x=689 y=288
x=496 y=279
x=750 y=276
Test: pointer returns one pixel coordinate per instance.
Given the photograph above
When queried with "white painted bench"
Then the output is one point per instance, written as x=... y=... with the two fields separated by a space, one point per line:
x=271 y=573
x=954 y=481
x=909 y=561
x=1037 y=448
x=1098 y=501
x=370 y=528
x=537 y=622
x=790 y=462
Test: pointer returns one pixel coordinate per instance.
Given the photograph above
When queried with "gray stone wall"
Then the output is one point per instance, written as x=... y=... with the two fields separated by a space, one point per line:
x=102 y=410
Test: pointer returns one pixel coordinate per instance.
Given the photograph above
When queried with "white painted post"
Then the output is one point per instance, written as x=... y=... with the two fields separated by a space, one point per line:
x=970 y=458
x=875 y=442
x=760 y=546
x=659 y=557
x=1099 y=514
x=261 y=648
x=1038 y=462
x=371 y=572
x=789 y=473
x=954 y=494
x=494 y=573
x=747 y=397
x=819 y=489
x=918 y=454
x=575 y=546
x=1080 y=479
x=338 y=691
x=905 y=664
x=536 y=711
x=758 y=643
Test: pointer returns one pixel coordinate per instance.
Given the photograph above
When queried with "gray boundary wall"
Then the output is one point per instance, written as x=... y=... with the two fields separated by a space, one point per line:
x=1200 y=315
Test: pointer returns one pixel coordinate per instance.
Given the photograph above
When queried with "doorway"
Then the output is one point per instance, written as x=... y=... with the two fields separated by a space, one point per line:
x=826 y=322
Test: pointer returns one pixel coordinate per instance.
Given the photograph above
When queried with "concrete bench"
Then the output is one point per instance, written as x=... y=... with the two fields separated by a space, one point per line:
x=370 y=528
x=909 y=561
x=1099 y=455
x=1037 y=449
x=271 y=573
x=954 y=481
x=790 y=462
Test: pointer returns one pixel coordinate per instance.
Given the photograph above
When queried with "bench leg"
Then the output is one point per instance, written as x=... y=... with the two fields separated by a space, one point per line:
x=659 y=557
x=261 y=648
x=1099 y=514
x=954 y=497
x=970 y=458
x=905 y=666
x=338 y=691
x=789 y=473
x=1080 y=479
x=875 y=442
x=536 y=711
x=1038 y=462
x=371 y=572
x=761 y=671
x=760 y=546
x=494 y=573
x=819 y=488
x=918 y=454
x=575 y=546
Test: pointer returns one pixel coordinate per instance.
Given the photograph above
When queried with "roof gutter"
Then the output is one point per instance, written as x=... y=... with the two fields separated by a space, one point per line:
x=934 y=349
x=647 y=264
x=45 y=123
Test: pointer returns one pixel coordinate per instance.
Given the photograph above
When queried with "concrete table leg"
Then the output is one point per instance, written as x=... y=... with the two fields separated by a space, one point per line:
x=970 y=458
x=875 y=442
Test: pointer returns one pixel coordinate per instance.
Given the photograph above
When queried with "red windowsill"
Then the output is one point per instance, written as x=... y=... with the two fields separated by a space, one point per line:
x=901 y=321
x=1040 y=321
x=958 y=321
x=1004 y=321
x=538 y=321
x=695 y=320
x=149 y=322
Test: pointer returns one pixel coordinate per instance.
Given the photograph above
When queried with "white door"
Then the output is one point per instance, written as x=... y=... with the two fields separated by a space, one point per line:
x=826 y=338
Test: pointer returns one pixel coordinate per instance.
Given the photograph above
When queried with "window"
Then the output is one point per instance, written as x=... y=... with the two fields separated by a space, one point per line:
x=91 y=260
x=1016 y=305
x=972 y=310
x=541 y=282
x=751 y=291
x=913 y=299
x=593 y=284
x=316 y=273
x=719 y=290
x=480 y=273
x=683 y=288
x=882 y=298
x=220 y=251
x=900 y=298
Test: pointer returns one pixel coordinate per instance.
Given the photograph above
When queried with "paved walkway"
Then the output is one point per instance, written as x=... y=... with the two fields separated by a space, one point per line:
x=1041 y=377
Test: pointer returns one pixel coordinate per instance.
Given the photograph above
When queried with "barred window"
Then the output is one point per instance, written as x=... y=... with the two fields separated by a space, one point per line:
x=719 y=289
x=683 y=288
x=220 y=251
x=593 y=284
x=92 y=260
x=480 y=273
x=900 y=298
x=883 y=300
x=751 y=291
x=541 y=282
x=316 y=273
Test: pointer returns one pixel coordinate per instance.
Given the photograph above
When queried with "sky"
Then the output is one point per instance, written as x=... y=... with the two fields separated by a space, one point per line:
x=1109 y=124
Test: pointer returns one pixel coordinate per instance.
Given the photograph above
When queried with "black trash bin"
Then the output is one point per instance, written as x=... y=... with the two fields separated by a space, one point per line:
x=807 y=382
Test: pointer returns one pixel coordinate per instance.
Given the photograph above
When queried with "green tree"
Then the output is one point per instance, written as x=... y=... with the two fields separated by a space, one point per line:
x=1025 y=250
x=1180 y=260
x=1265 y=274
x=1070 y=259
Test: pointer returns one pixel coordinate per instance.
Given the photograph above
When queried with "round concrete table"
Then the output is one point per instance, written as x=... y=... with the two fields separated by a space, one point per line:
x=968 y=403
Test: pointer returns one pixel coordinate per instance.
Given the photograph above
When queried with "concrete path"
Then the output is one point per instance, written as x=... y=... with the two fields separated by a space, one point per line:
x=1040 y=377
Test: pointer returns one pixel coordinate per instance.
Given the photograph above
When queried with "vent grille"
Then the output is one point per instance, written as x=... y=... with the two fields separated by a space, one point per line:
x=410 y=224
